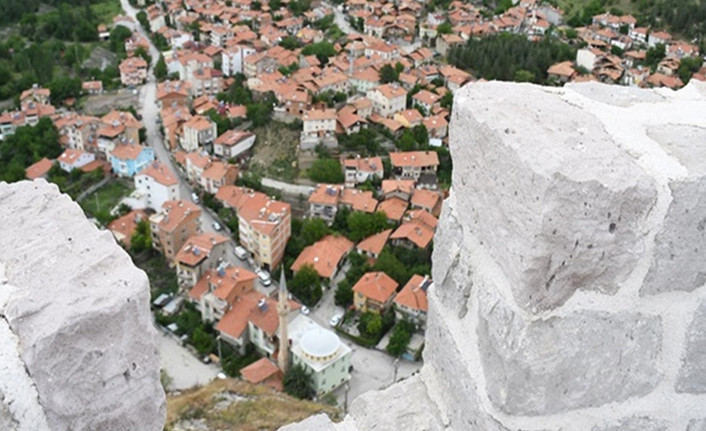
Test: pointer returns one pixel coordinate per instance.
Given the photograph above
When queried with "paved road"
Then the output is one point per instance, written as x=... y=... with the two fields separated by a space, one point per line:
x=293 y=189
x=341 y=19
x=183 y=368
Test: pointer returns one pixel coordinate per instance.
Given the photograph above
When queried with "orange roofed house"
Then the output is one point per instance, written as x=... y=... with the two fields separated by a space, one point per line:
x=413 y=234
x=413 y=164
x=372 y=246
x=157 y=184
x=264 y=224
x=200 y=253
x=263 y=372
x=374 y=292
x=359 y=170
x=173 y=225
x=325 y=255
x=323 y=202
x=133 y=71
x=411 y=303
x=124 y=227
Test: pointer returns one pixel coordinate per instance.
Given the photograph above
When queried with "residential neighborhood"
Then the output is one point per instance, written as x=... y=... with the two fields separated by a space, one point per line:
x=279 y=168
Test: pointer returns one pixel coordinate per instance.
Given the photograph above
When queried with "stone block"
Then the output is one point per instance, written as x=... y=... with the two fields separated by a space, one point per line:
x=692 y=374
x=634 y=423
x=81 y=314
x=680 y=243
x=558 y=364
x=557 y=203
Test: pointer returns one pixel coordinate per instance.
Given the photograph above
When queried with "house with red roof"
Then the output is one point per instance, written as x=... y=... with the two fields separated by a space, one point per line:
x=374 y=292
x=411 y=303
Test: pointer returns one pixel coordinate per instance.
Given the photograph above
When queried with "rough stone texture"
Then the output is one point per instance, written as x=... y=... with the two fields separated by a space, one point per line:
x=681 y=242
x=78 y=319
x=568 y=264
x=552 y=365
x=697 y=425
x=692 y=375
x=556 y=203
x=634 y=424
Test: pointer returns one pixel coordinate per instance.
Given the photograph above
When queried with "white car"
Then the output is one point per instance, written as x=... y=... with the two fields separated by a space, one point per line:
x=195 y=198
x=217 y=226
x=305 y=310
x=335 y=320
x=240 y=252
x=264 y=277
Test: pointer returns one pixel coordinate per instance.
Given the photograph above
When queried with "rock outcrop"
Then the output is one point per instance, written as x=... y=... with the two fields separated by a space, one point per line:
x=569 y=267
x=78 y=349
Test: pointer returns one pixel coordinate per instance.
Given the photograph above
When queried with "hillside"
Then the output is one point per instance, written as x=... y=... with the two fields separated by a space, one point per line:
x=236 y=405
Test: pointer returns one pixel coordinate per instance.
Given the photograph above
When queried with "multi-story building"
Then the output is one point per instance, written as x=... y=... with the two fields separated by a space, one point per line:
x=374 y=292
x=319 y=123
x=411 y=303
x=264 y=224
x=232 y=59
x=325 y=256
x=133 y=71
x=173 y=225
x=413 y=164
x=214 y=293
x=198 y=132
x=129 y=159
x=234 y=144
x=200 y=253
x=157 y=184
x=323 y=202
x=388 y=99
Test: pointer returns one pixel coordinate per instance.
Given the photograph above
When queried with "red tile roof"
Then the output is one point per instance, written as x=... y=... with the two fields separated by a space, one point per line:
x=377 y=286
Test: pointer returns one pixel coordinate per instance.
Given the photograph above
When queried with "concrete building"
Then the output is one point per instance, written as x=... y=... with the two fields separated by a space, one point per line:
x=388 y=99
x=411 y=303
x=413 y=164
x=157 y=184
x=174 y=223
x=200 y=253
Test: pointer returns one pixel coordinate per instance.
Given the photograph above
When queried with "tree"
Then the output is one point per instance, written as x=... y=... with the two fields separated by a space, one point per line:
x=259 y=113
x=447 y=100
x=389 y=264
x=160 y=69
x=306 y=285
x=326 y=171
x=144 y=21
x=297 y=382
x=141 y=240
x=322 y=50
x=361 y=225
x=522 y=75
x=290 y=42
x=63 y=87
x=312 y=230
x=444 y=28
x=370 y=325
x=654 y=55
x=388 y=74
x=400 y=338
x=344 y=294
x=687 y=67
x=117 y=38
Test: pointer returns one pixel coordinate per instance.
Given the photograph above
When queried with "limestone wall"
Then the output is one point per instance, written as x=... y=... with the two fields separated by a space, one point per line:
x=78 y=350
x=569 y=266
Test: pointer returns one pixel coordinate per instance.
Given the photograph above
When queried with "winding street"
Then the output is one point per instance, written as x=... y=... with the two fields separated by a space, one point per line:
x=150 y=115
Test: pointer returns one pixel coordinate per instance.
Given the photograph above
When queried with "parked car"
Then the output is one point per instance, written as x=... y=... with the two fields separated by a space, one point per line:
x=217 y=226
x=264 y=277
x=335 y=320
x=240 y=252
x=305 y=310
x=195 y=198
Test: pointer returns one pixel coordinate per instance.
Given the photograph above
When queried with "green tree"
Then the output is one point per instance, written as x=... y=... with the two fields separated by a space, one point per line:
x=144 y=21
x=306 y=285
x=322 y=50
x=522 y=75
x=654 y=55
x=297 y=382
x=371 y=325
x=64 y=87
x=388 y=263
x=400 y=338
x=326 y=171
x=447 y=100
x=160 y=69
x=117 y=38
x=290 y=42
x=312 y=230
x=388 y=74
x=259 y=113
x=444 y=28
x=361 y=225
x=687 y=67
x=141 y=240
x=344 y=294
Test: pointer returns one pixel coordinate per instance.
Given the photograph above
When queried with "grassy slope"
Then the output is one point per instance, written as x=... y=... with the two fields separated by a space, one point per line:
x=264 y=409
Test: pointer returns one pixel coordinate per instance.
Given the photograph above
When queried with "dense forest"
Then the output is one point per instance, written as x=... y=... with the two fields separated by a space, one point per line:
x=510 y=57
x=28 y=145
x=14 y=10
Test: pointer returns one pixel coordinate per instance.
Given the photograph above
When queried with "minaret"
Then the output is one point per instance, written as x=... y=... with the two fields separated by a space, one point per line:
x=283 y=311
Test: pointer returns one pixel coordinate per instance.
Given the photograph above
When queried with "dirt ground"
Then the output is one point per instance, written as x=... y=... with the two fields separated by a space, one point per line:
x=275 y=151
x=103 y=103
x=100 y=58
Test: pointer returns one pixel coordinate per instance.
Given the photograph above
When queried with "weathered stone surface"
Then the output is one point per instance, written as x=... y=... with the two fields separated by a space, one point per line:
x=634 y=424
x=692 y=375
x=557 y=204
x=584 y=359
x=570 y=210
x=696 y=425
x=80 y=313
x=680 y=244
